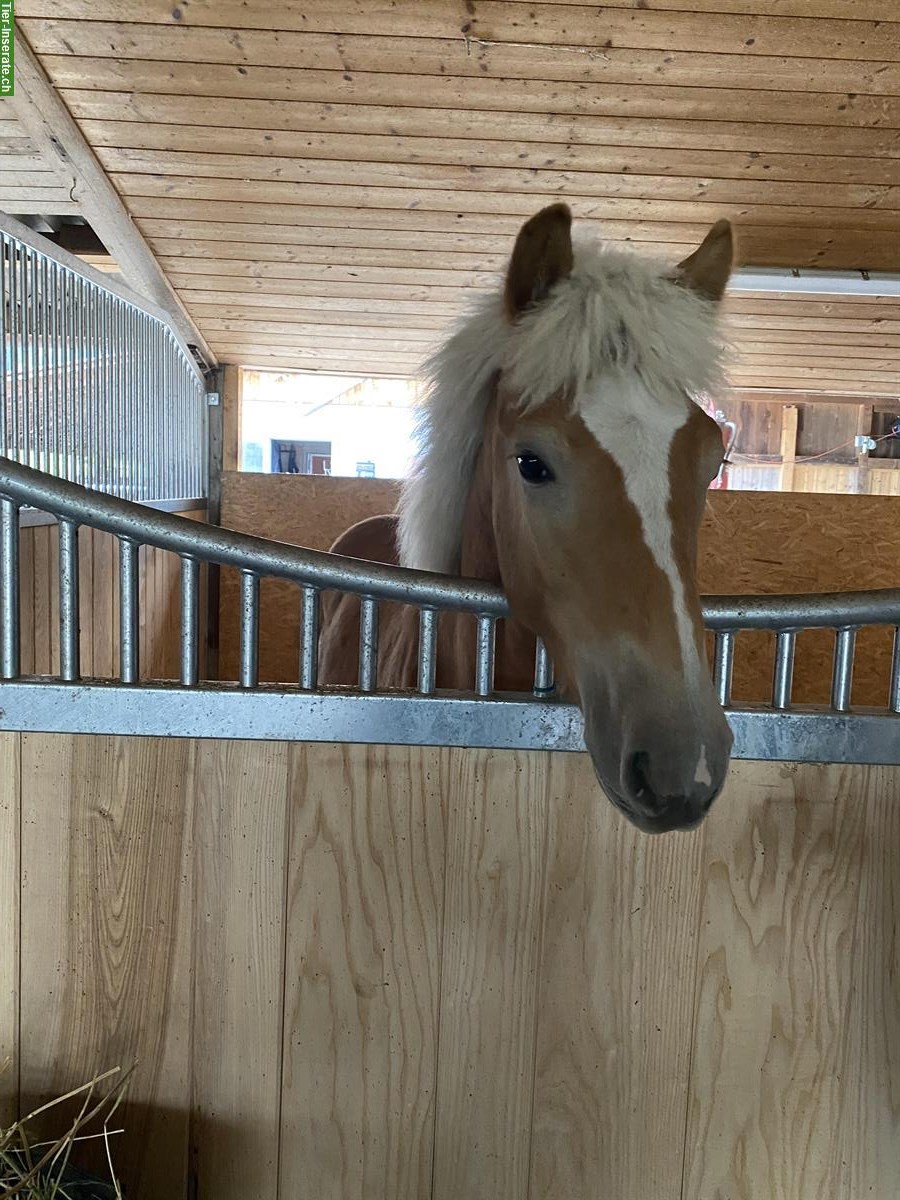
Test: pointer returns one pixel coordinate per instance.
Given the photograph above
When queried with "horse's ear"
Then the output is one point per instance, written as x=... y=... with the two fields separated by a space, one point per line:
x=541 y=256
x=707 y=270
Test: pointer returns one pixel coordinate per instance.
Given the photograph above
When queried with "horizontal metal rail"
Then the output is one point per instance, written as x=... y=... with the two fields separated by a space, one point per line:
x=504 y=721
x=317 y=569
x=313 y=571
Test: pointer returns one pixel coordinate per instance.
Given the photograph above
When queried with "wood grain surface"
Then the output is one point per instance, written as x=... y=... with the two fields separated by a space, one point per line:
x=375 y=972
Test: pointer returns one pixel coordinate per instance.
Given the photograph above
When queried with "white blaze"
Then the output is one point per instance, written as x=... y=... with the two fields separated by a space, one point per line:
x=637 y=431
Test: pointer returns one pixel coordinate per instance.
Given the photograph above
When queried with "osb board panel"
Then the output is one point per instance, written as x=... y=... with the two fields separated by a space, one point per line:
x=752 y=543
x=427 y=973
x=304 y=510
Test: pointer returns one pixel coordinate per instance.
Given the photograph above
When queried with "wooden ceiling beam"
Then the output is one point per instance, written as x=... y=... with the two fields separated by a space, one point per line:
x=54 y=132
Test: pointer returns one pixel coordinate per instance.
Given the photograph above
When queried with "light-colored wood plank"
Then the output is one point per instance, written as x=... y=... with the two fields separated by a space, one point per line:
x=711 y=102
x=410 y=121
x=351 y=195
x=548 y=24
x=42 y=568
x=26 y=600
x=86 y=600
x=10 y=947
x=491 y=153
x=105 y=925
x=496 y=848
x=239 y=795
x=797 y=1040
x=104 y=606
x=455 y=56
x=362 y=972
x=616 y=999
x=232 y=408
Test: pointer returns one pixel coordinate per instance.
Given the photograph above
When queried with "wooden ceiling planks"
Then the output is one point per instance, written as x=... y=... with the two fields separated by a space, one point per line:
x=326 y=182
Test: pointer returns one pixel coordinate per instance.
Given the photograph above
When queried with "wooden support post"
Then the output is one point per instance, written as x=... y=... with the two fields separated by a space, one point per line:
x=232 y=395
x=788 y=446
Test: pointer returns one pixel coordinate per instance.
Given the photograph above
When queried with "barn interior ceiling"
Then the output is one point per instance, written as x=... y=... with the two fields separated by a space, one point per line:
x=325 y=182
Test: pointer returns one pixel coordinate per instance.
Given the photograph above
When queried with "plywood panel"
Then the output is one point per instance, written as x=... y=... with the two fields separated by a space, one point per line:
x=493 y=902
x=105 y=921
x=616 y=999
x=793 y=1046
x=239 y=793
x=10 y=948
x=366 y=882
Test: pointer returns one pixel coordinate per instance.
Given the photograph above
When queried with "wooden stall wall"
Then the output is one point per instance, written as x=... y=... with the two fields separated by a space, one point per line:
x=367 y=973
x=98 y=573
x=751 y=543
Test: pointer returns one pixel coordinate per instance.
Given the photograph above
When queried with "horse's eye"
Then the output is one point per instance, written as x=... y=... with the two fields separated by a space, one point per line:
x=533 y=469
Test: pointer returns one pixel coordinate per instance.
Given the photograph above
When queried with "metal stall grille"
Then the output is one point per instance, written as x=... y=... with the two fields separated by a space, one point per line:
x=779 y=729
x=96 y=386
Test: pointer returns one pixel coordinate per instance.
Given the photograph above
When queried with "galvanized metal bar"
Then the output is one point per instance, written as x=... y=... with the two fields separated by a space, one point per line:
x=9 y=588
x=5 y=337
x=785 y=643
x=53 y=339
x=42 y=311
x=723 y=665
x=249 y=668
x=66 y=317
x=28 y=340
x=842 y=677
x=543 y=670
x=309 y=637
x=15 y=433
x=368 y=644
x=484 y=654
x=190 y=621
x=894 y=693
x=427 y=661
x=129 y=617
x=69 y=649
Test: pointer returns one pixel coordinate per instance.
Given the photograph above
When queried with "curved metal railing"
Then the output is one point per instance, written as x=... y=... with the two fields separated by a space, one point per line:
x=314 y=571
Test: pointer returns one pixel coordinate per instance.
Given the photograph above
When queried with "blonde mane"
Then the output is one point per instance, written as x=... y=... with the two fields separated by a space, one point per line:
x=615 y=312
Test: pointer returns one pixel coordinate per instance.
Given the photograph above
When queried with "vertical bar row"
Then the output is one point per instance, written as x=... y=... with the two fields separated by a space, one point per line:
x=69 y=658
x=309 y=637
x=190 y=621
x=129 y=632
x=785 y=644
x=368 y=643
x=543 y=670
x=9 y=589
x=842 y=677
x=484 y=655
x=428 y=630
x=723 y=666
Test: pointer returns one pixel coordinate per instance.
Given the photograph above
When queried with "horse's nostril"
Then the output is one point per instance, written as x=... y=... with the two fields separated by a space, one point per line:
x=638 y=771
